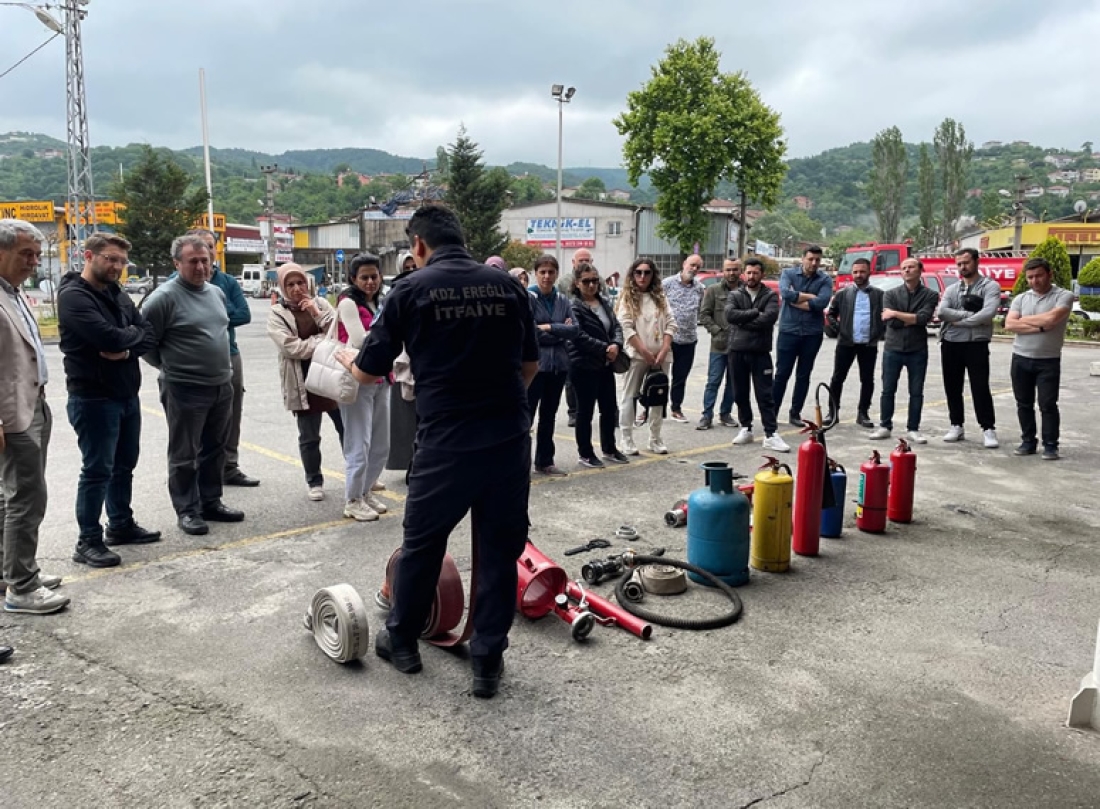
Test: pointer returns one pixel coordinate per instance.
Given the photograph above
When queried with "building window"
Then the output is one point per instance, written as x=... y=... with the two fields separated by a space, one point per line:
x=615 y=228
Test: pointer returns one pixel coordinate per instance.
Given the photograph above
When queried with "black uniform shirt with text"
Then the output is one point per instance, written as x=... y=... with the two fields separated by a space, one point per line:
x=468 y=330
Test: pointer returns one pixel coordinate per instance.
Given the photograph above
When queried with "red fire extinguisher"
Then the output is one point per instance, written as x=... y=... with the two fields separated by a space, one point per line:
x=874 y=484
x=903 y=479
x=808 y=486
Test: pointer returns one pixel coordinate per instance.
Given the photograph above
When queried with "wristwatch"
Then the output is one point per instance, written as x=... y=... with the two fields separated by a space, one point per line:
x=1041 y=328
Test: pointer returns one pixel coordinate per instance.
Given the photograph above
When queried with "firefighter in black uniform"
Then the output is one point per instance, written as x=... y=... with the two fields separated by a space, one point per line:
x=471 y=340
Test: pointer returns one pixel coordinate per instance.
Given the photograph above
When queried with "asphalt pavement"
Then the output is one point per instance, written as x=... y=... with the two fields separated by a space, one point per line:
x=929 y=666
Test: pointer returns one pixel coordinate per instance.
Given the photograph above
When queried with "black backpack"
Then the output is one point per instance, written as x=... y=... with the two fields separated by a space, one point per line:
x=654 y=391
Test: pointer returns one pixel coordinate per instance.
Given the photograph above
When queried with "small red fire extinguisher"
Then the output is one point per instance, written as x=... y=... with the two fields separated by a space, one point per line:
x=903 y=479
x=808 y=485
x=874 y=483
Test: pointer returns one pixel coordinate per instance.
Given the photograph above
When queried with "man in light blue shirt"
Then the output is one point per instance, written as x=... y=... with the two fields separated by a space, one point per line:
x=856 y=314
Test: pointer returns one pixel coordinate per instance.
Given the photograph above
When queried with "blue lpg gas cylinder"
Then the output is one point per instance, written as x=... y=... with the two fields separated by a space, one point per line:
x=718 y=529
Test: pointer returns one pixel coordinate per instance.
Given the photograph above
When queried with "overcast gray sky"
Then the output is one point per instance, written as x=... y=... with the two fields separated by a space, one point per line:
x=288 y=74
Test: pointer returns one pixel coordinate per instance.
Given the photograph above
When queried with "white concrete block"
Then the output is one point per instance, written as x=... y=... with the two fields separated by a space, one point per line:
x=1084 y=708
x=1094 y=369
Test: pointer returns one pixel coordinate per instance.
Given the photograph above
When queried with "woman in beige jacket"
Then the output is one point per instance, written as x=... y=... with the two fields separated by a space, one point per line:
x=647 y=329
x=297 y=324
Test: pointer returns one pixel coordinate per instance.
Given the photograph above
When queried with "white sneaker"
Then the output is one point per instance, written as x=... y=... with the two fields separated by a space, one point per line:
x=657 y=446
x=628 y=445
x=37 y=602
x=743 y=437
x=989 y=438
x=879 y=433
x=316 y=493
x=775 y=443
x=358 y=510
x=955 y=434
x=378 y=486
x=916 y=438
x=48 y=580
x=372 y=502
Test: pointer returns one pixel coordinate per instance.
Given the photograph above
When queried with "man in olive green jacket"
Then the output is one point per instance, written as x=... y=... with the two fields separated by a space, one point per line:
x=712 y=317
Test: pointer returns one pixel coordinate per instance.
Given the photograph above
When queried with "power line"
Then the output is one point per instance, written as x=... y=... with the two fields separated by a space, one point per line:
x=29 y=55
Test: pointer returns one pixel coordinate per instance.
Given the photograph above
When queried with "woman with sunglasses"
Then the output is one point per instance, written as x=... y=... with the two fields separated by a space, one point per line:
x=648 y=328
x=367 y=419
x=597 y=344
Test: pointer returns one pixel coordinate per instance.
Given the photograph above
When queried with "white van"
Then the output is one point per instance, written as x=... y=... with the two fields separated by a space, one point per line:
x=252 y=280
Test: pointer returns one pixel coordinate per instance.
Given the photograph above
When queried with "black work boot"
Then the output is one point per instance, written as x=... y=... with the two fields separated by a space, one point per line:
x=863 y=420
x=406 y=661
x=487 y=672
x=95 y=554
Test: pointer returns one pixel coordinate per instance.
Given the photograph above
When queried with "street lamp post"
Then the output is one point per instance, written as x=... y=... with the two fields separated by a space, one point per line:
x=563 y=95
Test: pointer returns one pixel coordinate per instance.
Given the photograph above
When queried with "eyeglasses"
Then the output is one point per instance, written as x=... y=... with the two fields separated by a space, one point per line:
x=643 y=272
x=587 y=281
x=112 y=259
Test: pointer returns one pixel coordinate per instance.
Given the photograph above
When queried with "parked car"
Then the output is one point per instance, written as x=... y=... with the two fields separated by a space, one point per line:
x=709 y=278
x=138 y=286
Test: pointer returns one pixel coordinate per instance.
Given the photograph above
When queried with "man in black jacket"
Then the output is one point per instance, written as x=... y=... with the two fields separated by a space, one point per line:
x=102 y=336
x=906 y=312
x=751 y=312
x=856 y=311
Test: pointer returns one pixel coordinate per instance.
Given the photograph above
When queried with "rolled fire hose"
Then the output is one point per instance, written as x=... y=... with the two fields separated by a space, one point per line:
x=734 y=612
x=662 y=580
x=338 y=619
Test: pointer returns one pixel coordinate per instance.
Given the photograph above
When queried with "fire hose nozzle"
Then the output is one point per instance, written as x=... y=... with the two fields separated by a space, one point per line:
x=582 y=626
x=633 y=590
x=676 y=517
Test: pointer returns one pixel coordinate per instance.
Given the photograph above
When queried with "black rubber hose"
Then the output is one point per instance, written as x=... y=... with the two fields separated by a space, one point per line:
x=679 y=623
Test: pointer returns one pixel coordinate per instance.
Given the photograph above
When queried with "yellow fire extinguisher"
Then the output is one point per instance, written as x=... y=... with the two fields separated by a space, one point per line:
x=770 y=549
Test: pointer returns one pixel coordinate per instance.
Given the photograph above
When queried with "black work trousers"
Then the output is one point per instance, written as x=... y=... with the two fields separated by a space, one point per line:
x=1044 y=376
x=493 y=484
x=867 y=357
x=198 y=428
x=757 y=368
x=544 y=396
x=962 y=360
x=593 y=386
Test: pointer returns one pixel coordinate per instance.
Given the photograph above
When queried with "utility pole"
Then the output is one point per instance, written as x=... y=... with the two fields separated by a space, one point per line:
x=1018 y=212
x=742 y=228
x=80 y=196
x=269 y=211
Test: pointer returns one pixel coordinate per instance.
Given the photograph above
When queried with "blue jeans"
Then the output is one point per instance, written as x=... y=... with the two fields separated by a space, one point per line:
x=916 y=362
x=717 y=370
x=789 y=350
x=108 y=432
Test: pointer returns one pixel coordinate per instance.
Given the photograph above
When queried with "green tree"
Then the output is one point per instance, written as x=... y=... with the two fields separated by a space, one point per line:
x=1089 y=277
x=592 y=188
x=890 y=167
x=953 y=153
x=529 y=188
x=477 y=196
x=162 y=201
x=520 y=254
x=1054 y=251
x=691 y=126
x=926 y=194
x=992 y=211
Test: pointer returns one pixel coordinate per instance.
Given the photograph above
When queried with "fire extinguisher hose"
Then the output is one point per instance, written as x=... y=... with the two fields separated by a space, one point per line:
x=337 y=618
x=731 y=616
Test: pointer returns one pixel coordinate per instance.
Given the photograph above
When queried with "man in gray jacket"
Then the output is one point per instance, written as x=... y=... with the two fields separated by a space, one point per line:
x=712 y=317
x=906 y=312
x=967 y=311
x=857 y=313
x=191 y=329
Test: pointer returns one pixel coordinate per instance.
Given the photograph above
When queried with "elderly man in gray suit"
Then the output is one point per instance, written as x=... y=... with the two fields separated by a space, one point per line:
x=25 y=424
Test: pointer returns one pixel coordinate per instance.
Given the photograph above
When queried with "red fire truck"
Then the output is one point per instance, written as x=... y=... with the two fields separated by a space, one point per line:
x=1003 y=266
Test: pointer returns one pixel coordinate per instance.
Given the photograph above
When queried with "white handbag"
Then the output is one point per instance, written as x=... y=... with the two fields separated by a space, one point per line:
x=326 y=376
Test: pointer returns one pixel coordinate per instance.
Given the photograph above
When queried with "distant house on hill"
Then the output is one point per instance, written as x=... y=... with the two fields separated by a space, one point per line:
x=991 y=144
x=348 y=176
x=973 y=193
x=618 y=195
x=804 y=203
x=1059 y=190
x=1059 y=160
x=1090 y=175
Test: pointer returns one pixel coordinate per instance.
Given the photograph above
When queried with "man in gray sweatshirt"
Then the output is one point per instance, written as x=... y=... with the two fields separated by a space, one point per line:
x=191 y=326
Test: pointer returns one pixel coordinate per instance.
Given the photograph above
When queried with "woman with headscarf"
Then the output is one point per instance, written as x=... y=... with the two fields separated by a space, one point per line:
x=648 y=328
x=297 y=323
x=366 y=420
x=597 y=344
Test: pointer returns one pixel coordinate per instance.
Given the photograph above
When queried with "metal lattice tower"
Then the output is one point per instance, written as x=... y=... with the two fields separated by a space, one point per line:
x=80 y=203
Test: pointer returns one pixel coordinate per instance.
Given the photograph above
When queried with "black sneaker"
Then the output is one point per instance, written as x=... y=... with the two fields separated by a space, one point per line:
x=704 y=423
x=406 y=661
x=615 y=457
x=132 y=534
x=592 y=463
x=728 y=421
x=795 y=420
x=572 y=420
x=487 y=672
x=95 y=554
x=1025 y=448
x=863 y=420
x=1050 y=453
